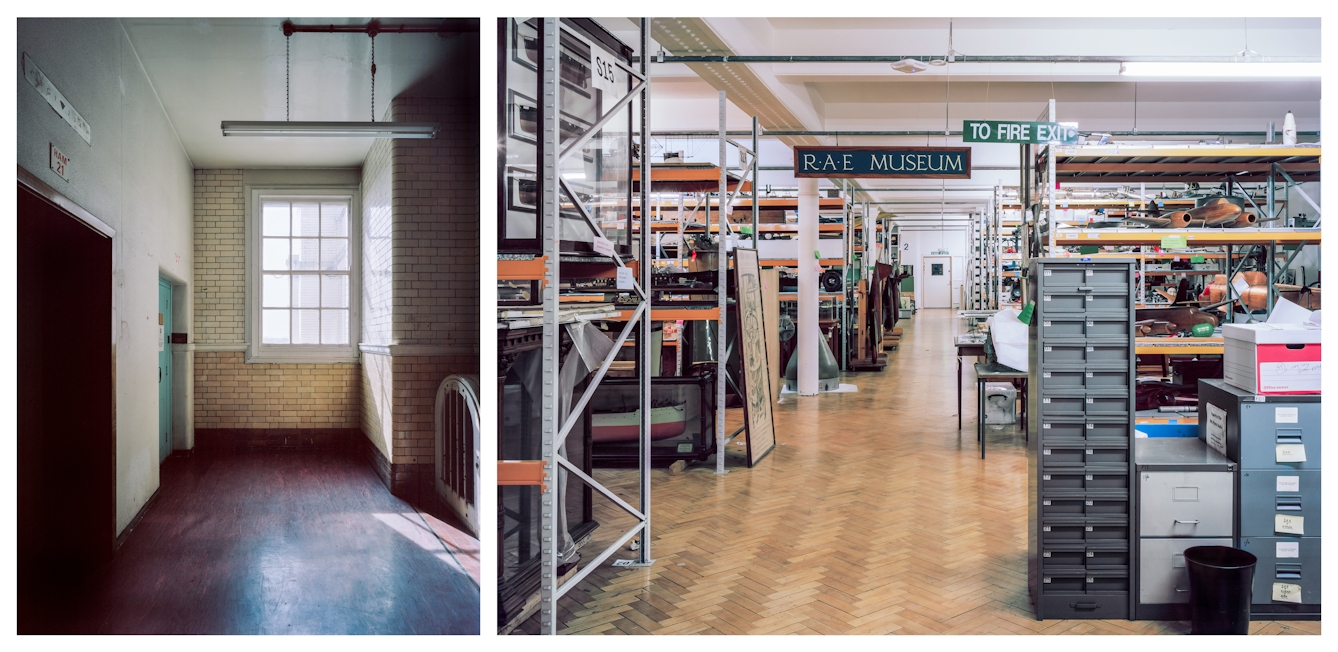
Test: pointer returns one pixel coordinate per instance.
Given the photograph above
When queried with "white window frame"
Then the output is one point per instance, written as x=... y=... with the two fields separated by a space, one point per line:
x=259 y=352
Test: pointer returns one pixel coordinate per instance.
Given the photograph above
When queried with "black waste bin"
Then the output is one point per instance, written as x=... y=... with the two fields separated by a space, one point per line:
x=1220 y=579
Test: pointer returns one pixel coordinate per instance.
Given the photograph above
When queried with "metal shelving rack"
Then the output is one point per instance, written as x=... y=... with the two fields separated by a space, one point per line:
x=553 y=432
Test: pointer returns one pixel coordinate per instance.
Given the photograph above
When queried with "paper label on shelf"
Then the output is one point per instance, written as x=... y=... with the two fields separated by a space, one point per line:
x=1286 y=414
x=625 y=278
x=1288 y=550
x=1215 y=429
x=1291 y=452
x=161 y=337
x=1286 y=592
x=1289 y=524
x=1070 y=236
x=1095 y=236
x=1289 y=483
x=603 y=246
x=1173 y=242
x=607 y=76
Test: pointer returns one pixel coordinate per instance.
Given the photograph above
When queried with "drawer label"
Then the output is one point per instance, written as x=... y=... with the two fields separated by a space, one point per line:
x=1087 y=528
x=1091 y=426
x=1089 y=374
x=1048 y=349
x=1215 y=431
x=1289 y=524
x=1090 y=401
x=1045 y=426
x=1047 y=324
x=1045 y=374
x=1286 y=414
x=1045 y=528
x=1091 y=298
x=1046 y=400
x=1288 y=550
x=1047 y=272
x=1091 y=349
x=1047 y=552
x=1091 y=554
x=1282 y=592
x=1045 y=477
x=1045 y=451
x=1289 y=483
x=1291 y=452
x=1089 y=272
x=1091 y=323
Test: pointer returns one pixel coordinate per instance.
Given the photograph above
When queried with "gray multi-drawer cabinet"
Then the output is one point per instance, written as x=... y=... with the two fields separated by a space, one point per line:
x=1185 y=498
x=1081 y=407
x=1278 y=492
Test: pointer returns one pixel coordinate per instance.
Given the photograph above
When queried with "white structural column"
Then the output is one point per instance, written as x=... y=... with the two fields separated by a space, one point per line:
x=808 y=288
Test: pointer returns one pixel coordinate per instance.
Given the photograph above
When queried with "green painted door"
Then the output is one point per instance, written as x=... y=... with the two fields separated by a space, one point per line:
x=164 y=369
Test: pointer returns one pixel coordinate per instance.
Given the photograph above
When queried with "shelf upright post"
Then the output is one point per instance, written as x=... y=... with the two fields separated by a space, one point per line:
x=722 y=294
x=550 y=148
x=1050 y=184
x=847 y=238
x=645 y=341
x=757 y=236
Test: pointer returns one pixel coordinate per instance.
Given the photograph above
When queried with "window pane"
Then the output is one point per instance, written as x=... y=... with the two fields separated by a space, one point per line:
x=276 y=253
x=276 y=291
x=306 y=254
x=334 y=219
x=276 y=219
x=306 y=291
x=306 y=327
x=334 y=327
x=275 y=327
x=334 y=254
x=334 y=291
x=306 y=219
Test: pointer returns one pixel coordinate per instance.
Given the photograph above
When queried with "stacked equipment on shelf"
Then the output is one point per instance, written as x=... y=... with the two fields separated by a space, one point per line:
x=1081 y=383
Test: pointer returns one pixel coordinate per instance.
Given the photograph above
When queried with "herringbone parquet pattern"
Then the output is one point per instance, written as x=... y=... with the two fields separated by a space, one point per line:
x=874 y=516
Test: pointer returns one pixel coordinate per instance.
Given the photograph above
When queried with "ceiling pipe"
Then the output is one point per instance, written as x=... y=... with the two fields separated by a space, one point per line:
x=939 y=133
x=735 y=58
x=446 y=27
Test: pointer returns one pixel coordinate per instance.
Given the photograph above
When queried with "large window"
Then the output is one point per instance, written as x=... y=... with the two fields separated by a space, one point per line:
x=303 y=299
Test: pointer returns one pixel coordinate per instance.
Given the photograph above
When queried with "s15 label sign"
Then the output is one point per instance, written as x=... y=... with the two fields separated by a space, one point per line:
x=883 y=162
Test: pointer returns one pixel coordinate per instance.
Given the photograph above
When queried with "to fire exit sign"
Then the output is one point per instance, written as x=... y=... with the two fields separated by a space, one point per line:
x=1022 y=133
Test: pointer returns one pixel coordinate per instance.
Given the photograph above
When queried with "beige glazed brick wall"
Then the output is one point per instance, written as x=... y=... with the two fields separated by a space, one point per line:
x=229 y=393
x=220 y=257
x=415 y=382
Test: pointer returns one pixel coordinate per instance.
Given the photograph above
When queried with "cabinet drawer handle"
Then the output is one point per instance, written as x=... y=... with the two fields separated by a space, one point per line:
x=1193 y=522
x=1180 y=590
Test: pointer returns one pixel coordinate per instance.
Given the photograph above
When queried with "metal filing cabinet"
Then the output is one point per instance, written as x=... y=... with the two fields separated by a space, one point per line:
x=1278 y=492
x=1081 y=402
x=1185 y=496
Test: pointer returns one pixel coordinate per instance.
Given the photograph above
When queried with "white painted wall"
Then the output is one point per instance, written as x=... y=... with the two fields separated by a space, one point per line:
x=136 y=177
x=915 y=245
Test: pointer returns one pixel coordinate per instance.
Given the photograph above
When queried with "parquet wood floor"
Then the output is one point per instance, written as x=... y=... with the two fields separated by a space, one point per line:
x=874 y=515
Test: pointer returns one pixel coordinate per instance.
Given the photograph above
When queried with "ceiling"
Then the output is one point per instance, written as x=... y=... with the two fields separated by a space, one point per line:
x=207 y=70
x=872 y=96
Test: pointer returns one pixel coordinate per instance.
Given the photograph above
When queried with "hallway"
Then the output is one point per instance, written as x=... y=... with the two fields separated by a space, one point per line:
x=874 y=515
x=290 y=542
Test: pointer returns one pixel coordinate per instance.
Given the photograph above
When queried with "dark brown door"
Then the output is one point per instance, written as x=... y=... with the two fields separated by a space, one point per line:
x=66 y=436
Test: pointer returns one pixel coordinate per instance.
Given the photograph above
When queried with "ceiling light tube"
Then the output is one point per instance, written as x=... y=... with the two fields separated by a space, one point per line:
x=1218 y=69
x=330 y=129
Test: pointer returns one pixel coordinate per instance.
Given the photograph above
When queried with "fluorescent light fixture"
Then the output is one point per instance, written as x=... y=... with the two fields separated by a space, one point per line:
x=331 y=129
x=1218 y=69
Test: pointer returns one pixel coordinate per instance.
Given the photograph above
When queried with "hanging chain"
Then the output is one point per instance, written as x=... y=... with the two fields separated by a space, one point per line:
x=373 y=78
x=287 y=77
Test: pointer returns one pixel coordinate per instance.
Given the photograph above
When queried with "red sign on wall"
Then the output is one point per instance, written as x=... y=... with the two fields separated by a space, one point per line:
x=60 y=163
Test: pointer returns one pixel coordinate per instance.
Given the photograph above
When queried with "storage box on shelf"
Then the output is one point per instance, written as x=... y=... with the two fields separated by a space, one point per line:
x=1082 y=373
x=1272 y=358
